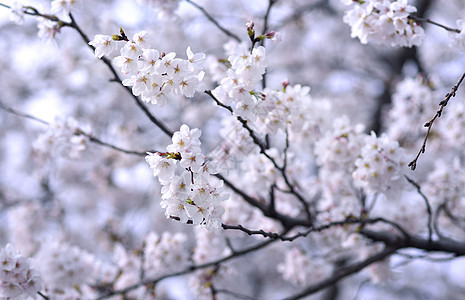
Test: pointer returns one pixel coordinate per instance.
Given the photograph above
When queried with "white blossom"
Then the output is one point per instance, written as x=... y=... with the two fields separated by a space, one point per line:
x=18 y=279
x=458 y=39
x=63 y=265
x=104 y=45
x=384 y=22
x=17 y=13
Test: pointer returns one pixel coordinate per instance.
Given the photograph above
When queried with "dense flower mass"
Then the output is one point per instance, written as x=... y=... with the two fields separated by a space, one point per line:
x=18 y=279
x=309 y=140
x=61 y=136
x=17 y=13
x=63 y=266
x=64 y=6
x=300 y=269
x=380 y=165
x=153 y=75
x=384 y=22
x=414 y=99
x=164 y=254
x=192 y=195
x=237 y=87
x=458 y=38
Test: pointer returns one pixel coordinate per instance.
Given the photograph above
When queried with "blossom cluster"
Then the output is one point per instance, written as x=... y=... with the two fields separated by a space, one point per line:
x=48 y=29
x=300 y=269
x=445 y=183
x=153 y=75
x=288 y=107
x=458 y=39
x=453 y=126
x=339 y=147
x=384 y=22
x=210 y=245
x=165 y=253
x=63 y=265
x=18 y=279
x=194 y=195
x=379 y=166
x=63 y=136
x=414 y=99
x=165 y=8
x=17 y=13
x=64 y=6
x=237 y=88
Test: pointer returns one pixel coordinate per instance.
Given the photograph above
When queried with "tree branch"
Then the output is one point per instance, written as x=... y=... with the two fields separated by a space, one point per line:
x=262 y=147
x=211 y=19
x=29 y=10
x=429 y=124
x=137 y=100
x=286 y=221
x=78 y=132
x=426 y=20
x=416 y=242
x=282 y=237
x=343 y=272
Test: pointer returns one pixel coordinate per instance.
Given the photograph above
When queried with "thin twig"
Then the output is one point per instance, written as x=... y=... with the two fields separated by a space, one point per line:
x=22 y=115
x=43 y=296
x=29 y=10
x=105 y=144
x=286 y=221
x=437 y=214
x=138 y=101
x=262 y=147
x=266 y=19
x=297 y=13
x=425 y=256
x=459 y=222
x=78 y=132
x=282 y=237
x=425 y=20
x=429 y=125
x=211 y=19
x=428 y=207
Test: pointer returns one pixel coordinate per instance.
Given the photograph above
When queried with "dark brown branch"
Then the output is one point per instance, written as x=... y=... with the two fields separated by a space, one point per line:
x=283 y=237
x=43 y=296
x=389 y=239
x=447 y=246
x=429 y=124
x=137 y=100
x=343 y=272
x=262 y=147
x=211 y=19
x=34 y=12
x=286 y=221
x=266 y=18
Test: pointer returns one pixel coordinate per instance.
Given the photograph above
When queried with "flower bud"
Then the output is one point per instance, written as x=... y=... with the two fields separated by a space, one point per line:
x=250 y=29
